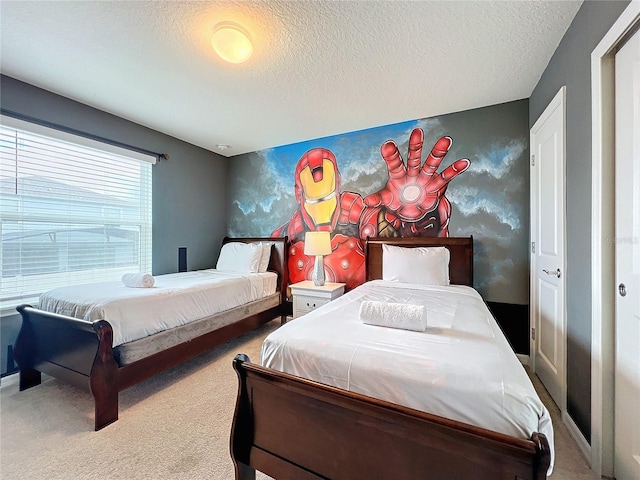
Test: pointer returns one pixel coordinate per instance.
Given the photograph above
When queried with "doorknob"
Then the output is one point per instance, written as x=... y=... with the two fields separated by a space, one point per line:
x=550 y=272
x=622 y=289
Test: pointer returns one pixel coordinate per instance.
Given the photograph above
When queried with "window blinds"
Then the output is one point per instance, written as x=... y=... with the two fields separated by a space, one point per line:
x=72 y=211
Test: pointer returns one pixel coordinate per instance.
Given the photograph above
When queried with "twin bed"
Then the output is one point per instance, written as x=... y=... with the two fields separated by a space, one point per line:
x=337 y=398
x=333 y=398
x=108 y=337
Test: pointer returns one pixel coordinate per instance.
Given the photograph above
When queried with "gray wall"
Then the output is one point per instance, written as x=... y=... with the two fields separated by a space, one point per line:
x=571 y=66
x=189 y=189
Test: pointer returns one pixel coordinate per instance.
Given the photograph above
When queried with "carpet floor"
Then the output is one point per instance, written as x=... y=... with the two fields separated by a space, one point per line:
x=173 y=426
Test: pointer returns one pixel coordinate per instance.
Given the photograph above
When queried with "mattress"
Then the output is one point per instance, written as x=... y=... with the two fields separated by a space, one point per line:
x=176 y=299
x=461 y=367
x=131 y=352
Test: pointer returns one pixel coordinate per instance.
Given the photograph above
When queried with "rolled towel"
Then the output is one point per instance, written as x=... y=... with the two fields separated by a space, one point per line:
x=138 y=280
x=394 y=315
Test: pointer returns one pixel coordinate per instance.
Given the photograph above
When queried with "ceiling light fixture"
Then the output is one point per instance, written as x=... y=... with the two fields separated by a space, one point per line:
x=231 y=42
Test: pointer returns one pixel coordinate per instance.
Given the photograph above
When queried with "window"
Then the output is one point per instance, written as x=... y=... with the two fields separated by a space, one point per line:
x=72 y=211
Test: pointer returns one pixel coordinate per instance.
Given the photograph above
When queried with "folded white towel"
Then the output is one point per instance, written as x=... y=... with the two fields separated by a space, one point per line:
x=139 y=280
x=394 y=315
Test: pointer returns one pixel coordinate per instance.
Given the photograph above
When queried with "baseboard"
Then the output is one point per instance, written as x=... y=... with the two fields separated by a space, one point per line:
x=524 y=359
x=577 y=435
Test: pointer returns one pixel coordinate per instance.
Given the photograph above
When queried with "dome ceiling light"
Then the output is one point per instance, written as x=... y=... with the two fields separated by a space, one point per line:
x=231 y=42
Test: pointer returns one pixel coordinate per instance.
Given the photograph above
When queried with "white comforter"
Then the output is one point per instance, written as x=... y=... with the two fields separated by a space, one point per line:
x=176 y=299
x=461 y=367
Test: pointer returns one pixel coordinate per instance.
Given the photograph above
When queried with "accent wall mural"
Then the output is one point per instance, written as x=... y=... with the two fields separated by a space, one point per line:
x=411 y=203
x=458 y=174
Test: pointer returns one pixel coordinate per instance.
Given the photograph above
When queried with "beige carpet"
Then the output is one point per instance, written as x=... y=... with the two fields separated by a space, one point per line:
x=173 y=426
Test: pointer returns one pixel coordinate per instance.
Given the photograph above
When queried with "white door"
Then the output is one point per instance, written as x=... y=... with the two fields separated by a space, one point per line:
x=547 y=248
x=627 y=248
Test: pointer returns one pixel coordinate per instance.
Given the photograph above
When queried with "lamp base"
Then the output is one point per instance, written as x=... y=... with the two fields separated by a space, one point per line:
x=317 y=275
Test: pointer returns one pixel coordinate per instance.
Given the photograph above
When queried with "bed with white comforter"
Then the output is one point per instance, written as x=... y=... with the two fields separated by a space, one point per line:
x=175 y=299
x=107 y=337
x=461 y=367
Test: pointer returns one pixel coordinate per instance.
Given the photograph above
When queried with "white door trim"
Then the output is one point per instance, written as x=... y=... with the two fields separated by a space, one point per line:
x=602 y=235
x=558 y=102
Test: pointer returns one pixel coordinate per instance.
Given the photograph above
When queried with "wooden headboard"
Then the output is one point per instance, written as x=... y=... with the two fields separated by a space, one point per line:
x=278 y=262
x=460 y=248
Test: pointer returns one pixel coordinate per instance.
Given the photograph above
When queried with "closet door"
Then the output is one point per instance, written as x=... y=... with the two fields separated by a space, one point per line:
x=627 y=252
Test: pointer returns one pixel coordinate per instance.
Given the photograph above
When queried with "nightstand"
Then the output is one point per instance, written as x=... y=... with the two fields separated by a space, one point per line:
x=308 y=297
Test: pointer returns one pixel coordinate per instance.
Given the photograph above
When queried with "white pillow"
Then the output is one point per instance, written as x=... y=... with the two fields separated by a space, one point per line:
x=265 y=256
x=240 y=257
x=421 y=265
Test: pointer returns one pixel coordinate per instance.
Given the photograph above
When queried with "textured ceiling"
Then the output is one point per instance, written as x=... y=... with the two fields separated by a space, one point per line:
x=319 y=68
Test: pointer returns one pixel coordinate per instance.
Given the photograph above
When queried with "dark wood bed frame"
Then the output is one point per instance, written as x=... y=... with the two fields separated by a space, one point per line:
x=292 y=428
x=80 y=352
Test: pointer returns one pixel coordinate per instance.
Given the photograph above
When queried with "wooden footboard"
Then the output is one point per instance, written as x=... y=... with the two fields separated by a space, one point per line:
x=293 y=428
x=74 y=350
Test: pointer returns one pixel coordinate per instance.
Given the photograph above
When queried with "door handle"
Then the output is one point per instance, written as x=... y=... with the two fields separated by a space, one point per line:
x=622 y=289
x=551 y=272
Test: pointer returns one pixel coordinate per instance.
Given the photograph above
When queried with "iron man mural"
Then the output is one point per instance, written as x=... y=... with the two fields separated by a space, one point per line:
x=412 y=203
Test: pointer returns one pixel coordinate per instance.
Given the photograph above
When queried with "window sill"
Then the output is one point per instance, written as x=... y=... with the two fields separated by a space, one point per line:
x=9 y=308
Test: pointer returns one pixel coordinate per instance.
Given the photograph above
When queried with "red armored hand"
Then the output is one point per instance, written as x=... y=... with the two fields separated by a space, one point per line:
x=412 y=192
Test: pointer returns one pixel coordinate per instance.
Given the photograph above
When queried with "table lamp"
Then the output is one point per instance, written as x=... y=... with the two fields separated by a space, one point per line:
x=318 y=244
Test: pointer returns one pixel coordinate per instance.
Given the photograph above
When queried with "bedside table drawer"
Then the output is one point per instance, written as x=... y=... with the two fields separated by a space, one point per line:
x=308 y=297
x=304 y=304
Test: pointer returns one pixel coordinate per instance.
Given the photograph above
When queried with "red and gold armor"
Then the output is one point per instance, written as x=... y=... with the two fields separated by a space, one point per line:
x=412 y=203
x=344 y=265
x=324 y=208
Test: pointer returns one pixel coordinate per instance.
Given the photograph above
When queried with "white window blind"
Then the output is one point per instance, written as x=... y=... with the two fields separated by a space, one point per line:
x=71 y=212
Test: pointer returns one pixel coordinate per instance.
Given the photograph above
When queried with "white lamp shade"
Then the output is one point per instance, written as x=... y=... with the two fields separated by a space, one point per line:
x=317 y=243
x=231 y=42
